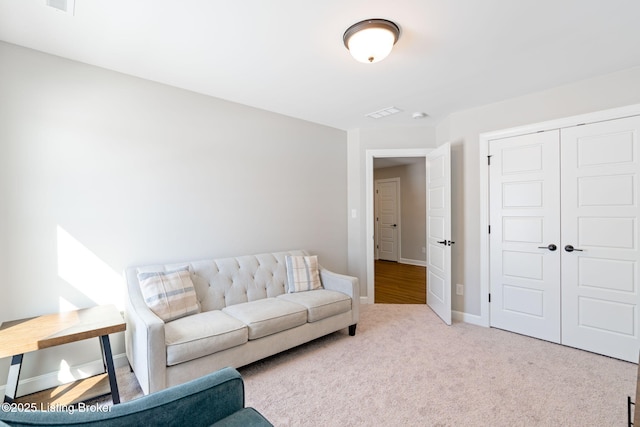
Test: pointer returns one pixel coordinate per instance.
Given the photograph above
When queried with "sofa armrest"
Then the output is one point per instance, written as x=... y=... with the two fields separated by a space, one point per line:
x=145 y=340
x=347 y=285
x=201 y=402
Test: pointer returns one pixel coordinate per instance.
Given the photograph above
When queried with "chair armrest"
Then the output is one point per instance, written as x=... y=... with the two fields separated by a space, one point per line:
x=145 y=340
x=347 y=285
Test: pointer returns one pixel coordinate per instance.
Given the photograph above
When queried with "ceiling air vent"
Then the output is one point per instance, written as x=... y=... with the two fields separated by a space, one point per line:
x=383 y=113
x=66 y=6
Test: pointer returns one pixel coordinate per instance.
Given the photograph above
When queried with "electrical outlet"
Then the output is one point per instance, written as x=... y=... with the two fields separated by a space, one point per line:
x=459 y=289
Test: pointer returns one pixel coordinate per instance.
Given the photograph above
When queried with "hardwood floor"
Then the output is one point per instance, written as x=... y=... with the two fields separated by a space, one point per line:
x=397 y=283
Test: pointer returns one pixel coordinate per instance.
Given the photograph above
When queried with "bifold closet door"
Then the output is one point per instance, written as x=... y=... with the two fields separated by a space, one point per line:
x=525 y=234
x=600 y=167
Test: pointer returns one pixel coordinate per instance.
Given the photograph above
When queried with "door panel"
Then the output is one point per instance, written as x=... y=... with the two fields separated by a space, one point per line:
x=387 y=219
x=524 y=200
x=600 y=170
x=439 y=232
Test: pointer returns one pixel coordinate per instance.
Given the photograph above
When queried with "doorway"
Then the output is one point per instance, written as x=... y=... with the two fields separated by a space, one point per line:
x=402 y=167
x=438 y=223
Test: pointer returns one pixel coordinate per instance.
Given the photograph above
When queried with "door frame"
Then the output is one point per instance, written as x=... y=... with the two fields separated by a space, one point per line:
x=369 y=181
x=376 y=208
x=485 y=261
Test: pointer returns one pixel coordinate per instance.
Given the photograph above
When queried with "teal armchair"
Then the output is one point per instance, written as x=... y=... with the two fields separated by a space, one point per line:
x=215 y=399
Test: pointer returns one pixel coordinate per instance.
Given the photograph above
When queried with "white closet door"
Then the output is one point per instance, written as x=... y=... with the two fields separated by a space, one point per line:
x=525 y=221
x=600 y=211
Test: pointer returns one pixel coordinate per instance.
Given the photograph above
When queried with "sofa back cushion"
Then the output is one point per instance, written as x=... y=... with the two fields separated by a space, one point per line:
x=228 y=281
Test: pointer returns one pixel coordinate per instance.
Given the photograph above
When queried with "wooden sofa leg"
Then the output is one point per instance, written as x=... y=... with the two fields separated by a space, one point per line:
x=352 y=329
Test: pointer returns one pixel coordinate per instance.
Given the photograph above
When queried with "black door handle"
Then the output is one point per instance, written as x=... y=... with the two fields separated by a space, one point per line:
x=570 y=248
x=449 y=243
x=551 y=247
x=444 y=242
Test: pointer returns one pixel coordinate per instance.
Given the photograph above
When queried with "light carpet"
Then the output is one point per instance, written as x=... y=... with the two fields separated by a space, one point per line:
x=405 y=367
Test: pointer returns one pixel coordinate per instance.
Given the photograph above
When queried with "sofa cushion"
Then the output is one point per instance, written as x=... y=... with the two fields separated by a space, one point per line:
x=302 y=273
x=201 y=334
x=169 y=294
x=321 y=303
x=268 y=316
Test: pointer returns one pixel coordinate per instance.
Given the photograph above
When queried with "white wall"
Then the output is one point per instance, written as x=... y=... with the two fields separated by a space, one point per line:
x=413 y=225
x=100 y=171
x=359 y=141
x=463 y=129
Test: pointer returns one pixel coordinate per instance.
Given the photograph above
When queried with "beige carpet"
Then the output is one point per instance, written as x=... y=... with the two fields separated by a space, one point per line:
x=404 y=367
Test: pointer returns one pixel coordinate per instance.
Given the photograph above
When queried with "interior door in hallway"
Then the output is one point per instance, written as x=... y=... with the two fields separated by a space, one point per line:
x=600 y=211
x=525 y=234
x=387 y=218
x=439 y=232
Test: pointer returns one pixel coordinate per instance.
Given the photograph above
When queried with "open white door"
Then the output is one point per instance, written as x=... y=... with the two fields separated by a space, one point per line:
x=439 y=232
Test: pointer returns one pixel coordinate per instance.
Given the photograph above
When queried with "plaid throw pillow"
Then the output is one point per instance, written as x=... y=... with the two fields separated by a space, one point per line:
x=169 y=294
x=302 y=273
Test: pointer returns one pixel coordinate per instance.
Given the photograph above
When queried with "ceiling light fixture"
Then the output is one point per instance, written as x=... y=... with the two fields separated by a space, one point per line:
x=371 y=40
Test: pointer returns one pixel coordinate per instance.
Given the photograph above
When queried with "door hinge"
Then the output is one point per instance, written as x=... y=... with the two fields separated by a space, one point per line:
x=489 y=160
x=489 y=297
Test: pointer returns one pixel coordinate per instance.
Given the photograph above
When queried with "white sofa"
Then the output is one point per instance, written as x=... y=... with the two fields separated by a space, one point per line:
x=245 y=315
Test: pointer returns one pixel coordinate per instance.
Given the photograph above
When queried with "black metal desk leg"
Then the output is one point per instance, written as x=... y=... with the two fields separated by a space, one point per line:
x=12 y=380
x=111 y=371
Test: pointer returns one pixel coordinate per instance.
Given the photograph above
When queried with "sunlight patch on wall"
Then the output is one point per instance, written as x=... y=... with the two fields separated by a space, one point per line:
x=65 y=305
x=83 y=270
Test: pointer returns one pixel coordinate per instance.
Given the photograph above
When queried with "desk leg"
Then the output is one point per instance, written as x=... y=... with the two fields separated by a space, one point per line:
x=111 y=371
x=12 y=380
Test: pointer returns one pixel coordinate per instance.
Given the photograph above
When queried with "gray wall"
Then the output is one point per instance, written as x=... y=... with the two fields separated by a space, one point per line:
x=100 y=171
x=463 y=129
x=413 y=185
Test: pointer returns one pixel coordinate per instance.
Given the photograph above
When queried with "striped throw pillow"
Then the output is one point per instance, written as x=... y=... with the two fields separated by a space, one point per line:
x=169 y=294
x=302 y=273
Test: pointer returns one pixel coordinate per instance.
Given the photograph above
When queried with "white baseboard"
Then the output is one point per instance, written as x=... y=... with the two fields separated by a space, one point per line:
x=364 y=300
x=467 y=318
x=52 y=379
x=413 y=262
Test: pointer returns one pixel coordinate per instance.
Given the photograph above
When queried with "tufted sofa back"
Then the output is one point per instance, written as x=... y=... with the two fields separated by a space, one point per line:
x=228 y=281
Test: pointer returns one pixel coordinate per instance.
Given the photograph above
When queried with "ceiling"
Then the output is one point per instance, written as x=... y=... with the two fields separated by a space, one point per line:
x=390 y=162
x=287 y=56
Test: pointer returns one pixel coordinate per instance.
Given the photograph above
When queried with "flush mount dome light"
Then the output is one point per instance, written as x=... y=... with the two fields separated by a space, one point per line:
x=371 y=40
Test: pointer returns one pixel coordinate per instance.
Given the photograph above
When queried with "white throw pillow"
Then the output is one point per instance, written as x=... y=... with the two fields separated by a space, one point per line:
x=169 y=294
x=302 y=273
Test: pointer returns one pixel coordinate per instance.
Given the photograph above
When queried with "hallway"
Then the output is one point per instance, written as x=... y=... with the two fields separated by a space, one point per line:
x=397 y=283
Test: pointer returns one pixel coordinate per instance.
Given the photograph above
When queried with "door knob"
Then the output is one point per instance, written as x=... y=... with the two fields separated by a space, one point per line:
x=394 y=225
x=444 y=242
x=551 y=247
x=570 y=248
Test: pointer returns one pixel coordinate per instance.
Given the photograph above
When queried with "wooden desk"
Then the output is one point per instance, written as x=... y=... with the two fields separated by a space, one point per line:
x=22 y=336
